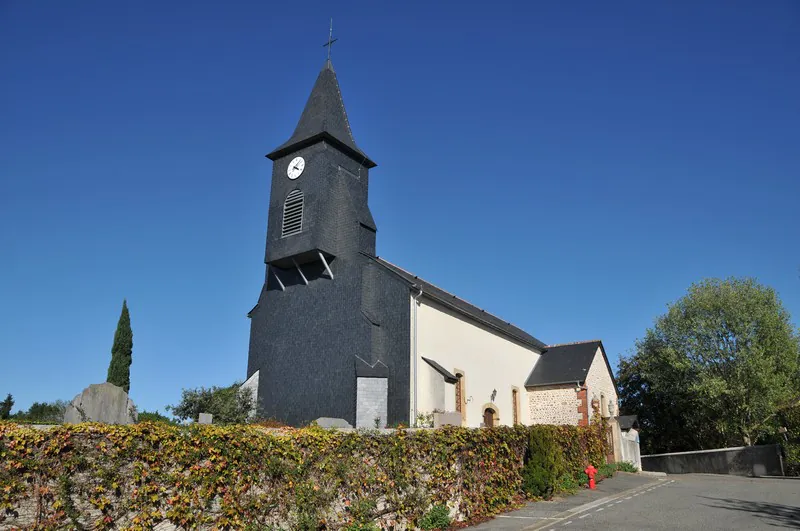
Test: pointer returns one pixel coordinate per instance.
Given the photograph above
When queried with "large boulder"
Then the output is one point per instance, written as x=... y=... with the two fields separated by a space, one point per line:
x=103 y=402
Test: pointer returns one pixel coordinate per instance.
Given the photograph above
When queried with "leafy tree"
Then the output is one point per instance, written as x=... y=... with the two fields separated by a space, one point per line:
x=154 y=416
x=50 y=412
x=5 y=407
x=119 y=370
x=229 y=405
x=715 y=370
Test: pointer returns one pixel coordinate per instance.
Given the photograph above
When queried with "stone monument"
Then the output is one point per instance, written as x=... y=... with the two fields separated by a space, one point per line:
x=103 y=402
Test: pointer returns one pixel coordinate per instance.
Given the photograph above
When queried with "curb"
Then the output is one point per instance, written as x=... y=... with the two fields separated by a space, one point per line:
x=653 y=474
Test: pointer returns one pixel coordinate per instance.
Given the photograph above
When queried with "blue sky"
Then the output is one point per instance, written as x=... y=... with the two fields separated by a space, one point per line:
x=570 y=166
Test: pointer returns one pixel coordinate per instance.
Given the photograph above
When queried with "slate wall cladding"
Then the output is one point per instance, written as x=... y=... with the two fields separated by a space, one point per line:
x=335 y=205
x=554 y=404
x=306 y=340
x=372 y=404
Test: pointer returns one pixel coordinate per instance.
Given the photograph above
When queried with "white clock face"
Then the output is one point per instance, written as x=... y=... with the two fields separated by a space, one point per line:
x=296 y=168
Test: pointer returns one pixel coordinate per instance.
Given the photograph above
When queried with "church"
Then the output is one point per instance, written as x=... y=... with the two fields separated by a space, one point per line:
x=339 y=332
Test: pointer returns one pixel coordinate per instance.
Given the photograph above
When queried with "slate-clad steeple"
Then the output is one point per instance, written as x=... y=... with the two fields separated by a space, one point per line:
x=324 y=118
x=329 y=322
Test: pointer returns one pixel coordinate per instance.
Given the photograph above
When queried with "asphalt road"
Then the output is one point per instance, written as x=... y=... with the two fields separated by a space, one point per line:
x=687 y=501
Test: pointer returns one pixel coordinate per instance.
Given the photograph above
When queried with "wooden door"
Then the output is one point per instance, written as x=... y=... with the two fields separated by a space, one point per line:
x=488 y=417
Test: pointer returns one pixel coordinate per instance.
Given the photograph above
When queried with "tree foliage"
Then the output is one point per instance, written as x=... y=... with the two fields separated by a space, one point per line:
x=5 y=407
x=715 y=370
x=119 y=370
x=228 y=405
x=154 y=416
x=43 y=412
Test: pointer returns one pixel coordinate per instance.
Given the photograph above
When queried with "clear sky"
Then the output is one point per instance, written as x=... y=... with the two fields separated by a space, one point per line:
x=570 y=166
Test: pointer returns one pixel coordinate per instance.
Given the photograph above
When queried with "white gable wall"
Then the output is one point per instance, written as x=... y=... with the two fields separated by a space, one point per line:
x=488 y=359
x=599 y=384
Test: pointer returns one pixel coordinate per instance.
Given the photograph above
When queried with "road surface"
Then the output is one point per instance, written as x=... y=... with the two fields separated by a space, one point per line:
x=686 y=501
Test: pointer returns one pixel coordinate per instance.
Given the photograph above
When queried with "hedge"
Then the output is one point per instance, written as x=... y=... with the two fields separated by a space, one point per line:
x=243 y=477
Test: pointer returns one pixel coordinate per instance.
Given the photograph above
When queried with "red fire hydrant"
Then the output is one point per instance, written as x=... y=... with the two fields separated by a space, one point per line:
x=591 y=471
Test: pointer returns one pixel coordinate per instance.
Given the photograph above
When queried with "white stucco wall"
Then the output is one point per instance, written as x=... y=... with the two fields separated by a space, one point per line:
x=599 y=384
x=488 y=359
x=554 y=404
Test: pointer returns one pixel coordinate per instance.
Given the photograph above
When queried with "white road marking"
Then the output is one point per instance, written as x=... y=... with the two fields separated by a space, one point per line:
x=585 y=515
x=628 y=497
x=528 y=517
x=566 y=524
x=600 y=509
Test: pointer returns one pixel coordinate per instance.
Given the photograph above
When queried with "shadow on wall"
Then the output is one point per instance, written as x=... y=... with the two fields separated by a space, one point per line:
x=773 y=514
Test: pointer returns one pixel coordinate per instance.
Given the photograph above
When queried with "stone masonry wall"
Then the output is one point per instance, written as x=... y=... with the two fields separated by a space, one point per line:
x=554 y=404
x=600 y=384
x=372 y=402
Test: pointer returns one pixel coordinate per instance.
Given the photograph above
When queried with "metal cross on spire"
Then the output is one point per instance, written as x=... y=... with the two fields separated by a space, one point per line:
x=330 y=42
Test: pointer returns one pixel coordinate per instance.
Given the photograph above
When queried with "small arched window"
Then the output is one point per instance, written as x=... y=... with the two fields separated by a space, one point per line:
x=292 y=214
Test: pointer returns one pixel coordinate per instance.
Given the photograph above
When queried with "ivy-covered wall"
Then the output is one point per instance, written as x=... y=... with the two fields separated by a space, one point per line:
x=243 y=477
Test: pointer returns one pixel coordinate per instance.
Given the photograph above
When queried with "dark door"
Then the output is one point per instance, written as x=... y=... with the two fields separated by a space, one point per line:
x=488 y=417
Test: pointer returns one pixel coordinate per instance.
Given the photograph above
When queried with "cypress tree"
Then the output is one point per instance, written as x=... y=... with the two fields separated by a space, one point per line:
x=119 y=370
x=5 y=407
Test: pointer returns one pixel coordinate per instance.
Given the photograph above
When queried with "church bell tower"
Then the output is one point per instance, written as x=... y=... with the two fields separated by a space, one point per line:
x=318 y=202
x=315 y=329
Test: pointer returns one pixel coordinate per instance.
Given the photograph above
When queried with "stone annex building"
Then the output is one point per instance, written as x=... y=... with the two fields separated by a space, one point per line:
x=339 y=332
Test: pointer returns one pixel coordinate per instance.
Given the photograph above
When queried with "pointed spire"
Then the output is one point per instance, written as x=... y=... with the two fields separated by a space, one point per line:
x=324 y=117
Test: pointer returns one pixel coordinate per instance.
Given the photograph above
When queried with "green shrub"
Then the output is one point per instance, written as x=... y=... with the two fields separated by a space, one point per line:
x=606 y=471
x=363 y=527
x=542 y=465
x=583 y=479
x=228 y=405
x=624 y=466
x=567 y=484
x=438 y=517
x=792 y=459
x=155 y=416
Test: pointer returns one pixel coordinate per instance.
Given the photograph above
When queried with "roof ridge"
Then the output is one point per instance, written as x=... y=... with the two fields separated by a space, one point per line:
x=575 y=343
x=444 y=290
x=397 y=269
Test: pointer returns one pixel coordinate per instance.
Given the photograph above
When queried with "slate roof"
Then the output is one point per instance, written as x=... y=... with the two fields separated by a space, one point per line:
x=449 y=377
x=563 y=364
x=463 y=307
x=324 y=118
x=627 y=422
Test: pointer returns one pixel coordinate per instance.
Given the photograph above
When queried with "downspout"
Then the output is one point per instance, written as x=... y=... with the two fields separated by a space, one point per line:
x=413 y=421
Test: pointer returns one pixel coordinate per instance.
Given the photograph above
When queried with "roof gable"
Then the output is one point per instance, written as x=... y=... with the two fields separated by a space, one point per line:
x=565 y=364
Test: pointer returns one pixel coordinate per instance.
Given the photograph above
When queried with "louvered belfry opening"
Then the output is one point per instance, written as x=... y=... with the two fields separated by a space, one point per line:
x=292 y=214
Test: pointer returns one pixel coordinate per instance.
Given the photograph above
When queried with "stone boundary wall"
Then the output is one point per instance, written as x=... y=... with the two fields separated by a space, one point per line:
x=751 y=461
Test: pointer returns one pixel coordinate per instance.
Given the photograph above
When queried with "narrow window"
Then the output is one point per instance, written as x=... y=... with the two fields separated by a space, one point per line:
x=515 y=406
x=292 y=214
x=459 y=393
